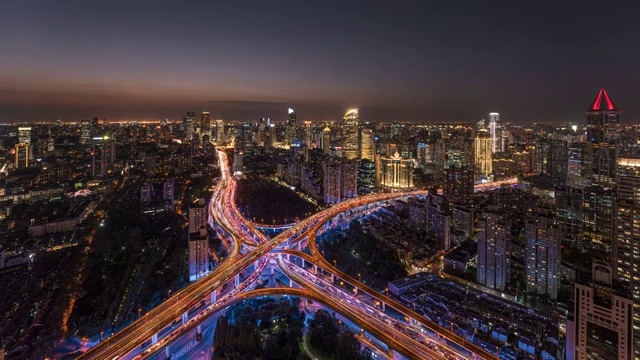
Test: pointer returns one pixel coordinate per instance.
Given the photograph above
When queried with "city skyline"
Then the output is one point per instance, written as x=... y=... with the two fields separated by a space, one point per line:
x=77 y=61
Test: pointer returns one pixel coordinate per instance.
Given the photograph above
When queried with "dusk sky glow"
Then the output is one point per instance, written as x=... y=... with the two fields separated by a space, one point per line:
x=431 y=61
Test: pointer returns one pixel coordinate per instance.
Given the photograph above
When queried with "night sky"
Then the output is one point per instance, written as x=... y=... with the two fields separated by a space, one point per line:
x=395 y=60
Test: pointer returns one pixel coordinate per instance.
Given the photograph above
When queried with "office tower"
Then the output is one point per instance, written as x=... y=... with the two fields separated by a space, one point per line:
x=103 y=153
x=483 y=153
x=326 y=140
x=421 y=154
x=349 y=179
x=150 y=164
x=189 y=122
x=494 y=132
x=579 y=168
x=396 y=172
x=198 y=253
x=86 y=132
x=24 y=135
x=458 y=186
x=603 y=132
x=291 y=128
x=366 y=177
x=238 y=161
x=367 y=144
x=601 y=326
x=271 y=136
x=569 y=213
x=332 y=183
x=197 y=215
x=168 y=189
x=308 y=134
x=626 y=244
x=220 y=139
x=350 y=127
x=205 y=126
x=542 y=254
x=598 y=215
x=146 y=191
x=493 y=250
x=552 y=159
x=22 y=156
x=438 y=220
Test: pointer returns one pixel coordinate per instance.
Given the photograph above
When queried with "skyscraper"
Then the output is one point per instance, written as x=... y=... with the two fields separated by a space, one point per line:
x=484 y=153
x=103 y=154
x=291 y=128
x=150 y=164
x=332 y=183
x=494 y=131
x=189 y=122
x=603 y=132
x=168 y=189
x=598 y=214
x=349 y=179
x=326 y=140
x=569 y=213
x=146 y=191
x=367 y=144
x=198 y=253
x=542 y=261
x=626 y=244
x=350 y=130
x=197 y=215
x=205 y=125
x=22 y=155
x=493 y=250
x=86 y=132
x=220 y=139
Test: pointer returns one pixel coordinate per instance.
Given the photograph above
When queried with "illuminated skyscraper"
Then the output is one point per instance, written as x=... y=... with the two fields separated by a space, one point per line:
x=603 y=132
x=542 y=261
x=350 y=130
x=291 y=128
x=86 y=132
x=349 y=179
x=396 y=172
x=103 y=154
x=494 y=132
x=367 y=144
x=22 y=155
x=332 y=183
x=308 y=133
x=24 y=135
x=220 y=139
x=458 y=186
x=326 y=140
x=484 y=153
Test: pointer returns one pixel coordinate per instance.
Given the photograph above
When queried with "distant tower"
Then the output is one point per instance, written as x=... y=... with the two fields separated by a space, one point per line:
x=168 y=190
x=332 y=184
x=349 y=179
x=350 y=127
x=189 y=122
x=494 y=131
x=326 y=140
x=484 y=153
x=603 y=133
x=220 y=140
x=205 y=125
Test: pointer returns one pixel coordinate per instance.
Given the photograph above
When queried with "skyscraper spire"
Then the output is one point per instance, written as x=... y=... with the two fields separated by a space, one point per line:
x=603 y=102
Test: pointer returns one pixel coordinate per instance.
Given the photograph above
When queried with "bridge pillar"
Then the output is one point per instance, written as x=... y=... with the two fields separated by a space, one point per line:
x=185 y=317
x=315 y=269
x=290 y=282
x=390 y=353
x=154 y=338
x=236 y=280
x=199 y=329
x=213 y=296
x=383 y=306
x=167 y=353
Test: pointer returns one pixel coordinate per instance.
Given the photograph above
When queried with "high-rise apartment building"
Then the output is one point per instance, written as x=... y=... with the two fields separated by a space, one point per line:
x=332 y=183
x=197 y=215
x=198 y=253
x=542 y=254
x=569 y=213
x=458 y=186
x=366 y=177
x=598 y=214
x=325 y=140
x=86 y=132
x=350 y=131
x=103 y=155
x=494 y=131
x=168 y=190
x=150 y=164
x=493 y=250
x=349 y=179
x=484 y=153
x=603 y=133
